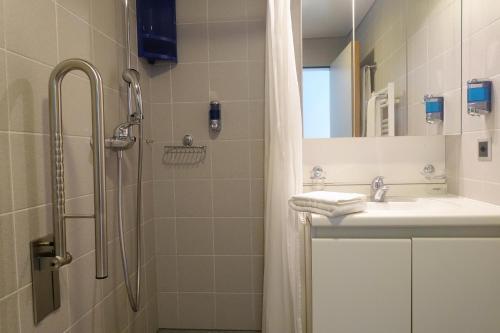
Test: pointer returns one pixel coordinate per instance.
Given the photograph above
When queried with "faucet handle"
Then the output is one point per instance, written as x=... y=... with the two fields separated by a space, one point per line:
x=378 y=182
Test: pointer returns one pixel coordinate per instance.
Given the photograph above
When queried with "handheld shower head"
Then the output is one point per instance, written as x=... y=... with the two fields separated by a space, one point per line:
x=132 y=77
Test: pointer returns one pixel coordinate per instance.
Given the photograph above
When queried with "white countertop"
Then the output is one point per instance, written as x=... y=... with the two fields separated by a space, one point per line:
x=402 y=212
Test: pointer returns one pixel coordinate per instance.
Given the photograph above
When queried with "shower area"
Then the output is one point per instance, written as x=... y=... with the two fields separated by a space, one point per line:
x=154 y=238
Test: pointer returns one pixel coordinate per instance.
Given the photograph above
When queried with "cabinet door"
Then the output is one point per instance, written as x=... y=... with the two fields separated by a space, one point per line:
x=361 y=285
x=456 y=285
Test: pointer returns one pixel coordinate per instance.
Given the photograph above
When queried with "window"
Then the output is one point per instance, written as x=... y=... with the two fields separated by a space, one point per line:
x=316 y=102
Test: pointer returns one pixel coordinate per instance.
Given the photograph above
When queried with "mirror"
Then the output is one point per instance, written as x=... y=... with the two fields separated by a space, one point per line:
x=381 y=68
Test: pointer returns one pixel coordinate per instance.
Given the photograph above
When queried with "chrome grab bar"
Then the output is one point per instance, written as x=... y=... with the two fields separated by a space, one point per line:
x=62 y=257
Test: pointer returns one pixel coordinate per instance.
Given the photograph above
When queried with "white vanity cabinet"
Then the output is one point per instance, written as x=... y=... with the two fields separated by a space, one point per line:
x=361 y=285
x=456 y=285
x=417 y=285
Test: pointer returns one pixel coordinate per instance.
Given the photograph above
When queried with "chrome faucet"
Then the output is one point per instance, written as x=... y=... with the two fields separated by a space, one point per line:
x=378 y=189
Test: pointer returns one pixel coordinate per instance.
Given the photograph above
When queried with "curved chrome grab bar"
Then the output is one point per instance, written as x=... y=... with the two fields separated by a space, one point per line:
x=62 y=257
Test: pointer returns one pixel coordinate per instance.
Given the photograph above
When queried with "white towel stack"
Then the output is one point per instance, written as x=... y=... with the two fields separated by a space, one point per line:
x=330 y=204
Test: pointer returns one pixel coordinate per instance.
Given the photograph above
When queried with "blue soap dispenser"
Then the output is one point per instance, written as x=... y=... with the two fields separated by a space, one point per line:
x=434 y=108
x=478 y=97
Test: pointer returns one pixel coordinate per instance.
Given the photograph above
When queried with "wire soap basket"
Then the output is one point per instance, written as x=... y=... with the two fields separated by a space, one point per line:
x=187 y=153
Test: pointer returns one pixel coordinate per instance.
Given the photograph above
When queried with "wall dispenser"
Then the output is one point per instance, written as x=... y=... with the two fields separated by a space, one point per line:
x=215 y=122
x=156 y=30
x=478 y=97
x=434 y=109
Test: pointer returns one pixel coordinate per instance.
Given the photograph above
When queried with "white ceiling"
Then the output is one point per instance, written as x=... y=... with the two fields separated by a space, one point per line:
x=331 y=18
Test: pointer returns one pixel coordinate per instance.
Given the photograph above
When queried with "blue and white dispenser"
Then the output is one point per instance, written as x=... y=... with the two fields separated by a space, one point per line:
x=214 y=117
x=434 y=108
x=478 y=97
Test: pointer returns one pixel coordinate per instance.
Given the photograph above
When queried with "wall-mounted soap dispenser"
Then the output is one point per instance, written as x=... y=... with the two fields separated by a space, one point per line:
x=478 y=97
x=156 y=30
x=214 y=116
x=434 y=109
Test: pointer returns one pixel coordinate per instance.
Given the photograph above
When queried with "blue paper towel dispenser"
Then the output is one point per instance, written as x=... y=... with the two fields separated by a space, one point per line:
x=156 y=30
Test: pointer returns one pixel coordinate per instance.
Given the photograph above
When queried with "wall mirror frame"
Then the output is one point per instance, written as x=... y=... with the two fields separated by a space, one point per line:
x=376 y=68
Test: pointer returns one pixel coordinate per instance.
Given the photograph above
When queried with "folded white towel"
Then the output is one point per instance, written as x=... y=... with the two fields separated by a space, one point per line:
x=330 y=204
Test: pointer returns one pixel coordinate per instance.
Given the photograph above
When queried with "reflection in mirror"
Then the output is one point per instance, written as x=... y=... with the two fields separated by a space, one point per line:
x=369 y=73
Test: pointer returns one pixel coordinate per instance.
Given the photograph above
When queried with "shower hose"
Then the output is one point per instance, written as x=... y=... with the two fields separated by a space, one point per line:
x=133 y=299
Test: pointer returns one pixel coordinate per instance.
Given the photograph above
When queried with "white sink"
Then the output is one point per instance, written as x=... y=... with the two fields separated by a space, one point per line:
x=414 y=212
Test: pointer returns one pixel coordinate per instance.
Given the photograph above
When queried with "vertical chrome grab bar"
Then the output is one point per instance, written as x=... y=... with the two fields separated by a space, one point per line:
x=62 y=257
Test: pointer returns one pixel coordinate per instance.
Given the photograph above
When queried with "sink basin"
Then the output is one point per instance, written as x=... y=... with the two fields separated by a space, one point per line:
x=405 y=212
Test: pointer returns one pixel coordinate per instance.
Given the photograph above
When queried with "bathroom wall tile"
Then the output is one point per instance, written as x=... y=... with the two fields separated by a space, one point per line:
x=257 y=159
x=236 y=123
x=168 y=309
x=232 y=236
x=31 y=224
x=191 y=11
x=256 y=72
x=115 y=311
x=256 y=120
x=139 y=324
x=231 y=198
x=191 y=118
x=107 y=17
x=192 y=42
x=74 y=36
x=193 y=198
x=30 y=29
x=78 y=159
x=151 y=279
x=256 y=9
x=162 y=122
x=194 y=236
x=161 y=84
x=8 y=274
x=167 y=273
x=108 y=57
x=148 y=241
x=231 y=159
x=4 y=111
x=256 y=39
x=77 y=118
x=9 y=320
x=228 y=41
x=257 y=273
x=152 y=316
x=80 y=232
x=234 y=311
x=190 y=82
x=226 y=10
x=195 y=273
x=197 y=311
x=93 y=322
x=30 y=169
x=27 y=91
x=78 y=7
x=5 y=175
x=257 y=198
x=163 y=168
x=229 y=80
x=115 y=270
x=84 y=290
x=257 y=229
x=164 y=199
x=233 y=274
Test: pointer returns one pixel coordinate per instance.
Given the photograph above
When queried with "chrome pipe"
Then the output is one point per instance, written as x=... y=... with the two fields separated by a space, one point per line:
x=62 y=257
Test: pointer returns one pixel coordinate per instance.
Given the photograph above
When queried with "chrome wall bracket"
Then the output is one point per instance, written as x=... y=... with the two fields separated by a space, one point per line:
x=45 y=276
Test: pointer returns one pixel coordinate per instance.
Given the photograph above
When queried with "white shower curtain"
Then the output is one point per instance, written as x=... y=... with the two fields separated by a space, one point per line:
x=282 y=308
